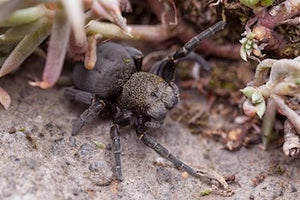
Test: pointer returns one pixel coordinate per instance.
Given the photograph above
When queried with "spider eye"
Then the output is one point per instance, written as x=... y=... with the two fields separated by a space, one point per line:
x=153 y=94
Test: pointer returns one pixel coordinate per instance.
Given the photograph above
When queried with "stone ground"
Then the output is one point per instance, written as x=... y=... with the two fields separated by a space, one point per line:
x=41 y=160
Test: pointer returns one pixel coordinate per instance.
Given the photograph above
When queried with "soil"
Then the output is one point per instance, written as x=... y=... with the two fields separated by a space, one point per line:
x=41 y=160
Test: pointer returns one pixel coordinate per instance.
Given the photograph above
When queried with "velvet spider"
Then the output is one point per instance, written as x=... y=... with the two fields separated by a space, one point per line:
x=140 y=99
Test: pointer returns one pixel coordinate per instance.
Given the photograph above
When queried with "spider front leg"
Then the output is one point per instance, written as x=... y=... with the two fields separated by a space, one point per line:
x=162 y=68
x=79 y=95
x=166 y=67
x=162 y=151
x=88 y=115
x=122 y=118
x=96 y=106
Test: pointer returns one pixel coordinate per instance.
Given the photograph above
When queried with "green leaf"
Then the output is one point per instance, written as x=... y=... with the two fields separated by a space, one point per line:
x=243 y=52
x=249 y=3
x=99 y=145
x=24 y=16
x=267 y=2
x=205 y=193
x=297 y=81
x=257 y=97
x=261 y=108
x=25 y=48
x=248 y=91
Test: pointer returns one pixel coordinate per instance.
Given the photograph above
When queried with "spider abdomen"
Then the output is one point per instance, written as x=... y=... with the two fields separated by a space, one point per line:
x=114 y=66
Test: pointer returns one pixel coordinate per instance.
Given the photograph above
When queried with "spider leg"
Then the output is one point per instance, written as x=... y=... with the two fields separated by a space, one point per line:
x=166 y=68
x=122 y=118
x=137 y=56
x=79 y=95
x=88 y=115
x=115 y=136
x=160 y=69
x=198 y=59
x=164 y=152
x=193 y=43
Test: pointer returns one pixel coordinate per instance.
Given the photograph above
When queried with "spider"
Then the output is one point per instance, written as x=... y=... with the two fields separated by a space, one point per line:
x=140 y=99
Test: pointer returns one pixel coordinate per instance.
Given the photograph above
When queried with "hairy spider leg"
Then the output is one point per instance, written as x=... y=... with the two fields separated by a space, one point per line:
x=115 y=136
x=193 y=43
x=122 y=118
x=166 y=68
x=96 y=106
x=88 y=115
x=79 y=95
x=192 y=56
x=160 y=69
x=164 y=152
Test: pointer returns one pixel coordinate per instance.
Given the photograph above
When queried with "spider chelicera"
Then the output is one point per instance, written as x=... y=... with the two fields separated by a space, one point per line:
x=140 y=99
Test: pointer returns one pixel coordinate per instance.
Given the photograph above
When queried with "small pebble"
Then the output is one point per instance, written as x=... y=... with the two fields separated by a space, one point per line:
x=185 y=175
x=41 y=135
x=32 y=164
x=85 y=149
x=163 y=175
x=108 y=147
x=12 y=130
x=48 y=126
x=75 y=192
x=293 y=189
x=95 y=166
x=166 y=196
x=72 y=141
x=238 y=198
x=100 y=173
x=143 y=188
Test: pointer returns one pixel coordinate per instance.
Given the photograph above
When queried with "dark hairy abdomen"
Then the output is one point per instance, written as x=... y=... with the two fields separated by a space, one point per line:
x=113 y=68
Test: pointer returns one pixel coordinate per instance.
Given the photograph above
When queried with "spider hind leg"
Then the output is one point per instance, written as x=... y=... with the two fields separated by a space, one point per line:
x=166 y=67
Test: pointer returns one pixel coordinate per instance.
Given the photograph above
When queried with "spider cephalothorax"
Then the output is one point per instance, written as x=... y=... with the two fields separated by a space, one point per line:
x=149 y=94
x=141 y=99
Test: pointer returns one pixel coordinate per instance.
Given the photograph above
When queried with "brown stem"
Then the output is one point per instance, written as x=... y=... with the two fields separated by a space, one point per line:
x=283 y=11
x=271 y=19
x=185 y=33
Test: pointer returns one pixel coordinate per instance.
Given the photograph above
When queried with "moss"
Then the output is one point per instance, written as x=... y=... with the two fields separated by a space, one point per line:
x=291 y=50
